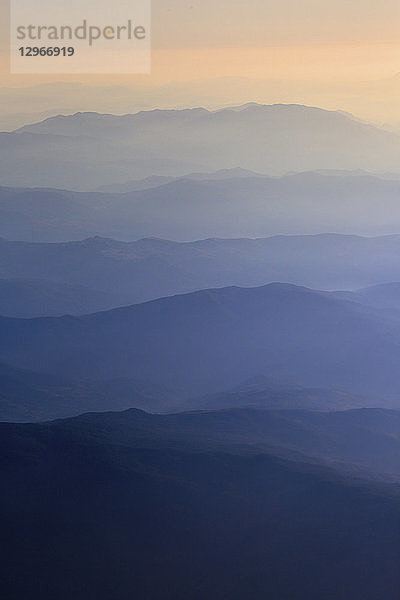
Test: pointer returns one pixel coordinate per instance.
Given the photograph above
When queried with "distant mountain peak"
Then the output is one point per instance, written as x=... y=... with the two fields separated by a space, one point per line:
x=274 y=139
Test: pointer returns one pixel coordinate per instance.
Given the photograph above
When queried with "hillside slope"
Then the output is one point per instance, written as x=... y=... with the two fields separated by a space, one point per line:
x=211 y=340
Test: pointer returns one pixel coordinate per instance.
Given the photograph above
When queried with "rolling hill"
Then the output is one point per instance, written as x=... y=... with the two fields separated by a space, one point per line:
x=208 y=341
x=99 y=273
x=188 y=209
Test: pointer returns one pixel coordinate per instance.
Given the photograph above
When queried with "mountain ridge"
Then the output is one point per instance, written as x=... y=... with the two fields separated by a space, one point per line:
x=187 y=209
x=173 y=143
x=134 y=272
x=207 y=340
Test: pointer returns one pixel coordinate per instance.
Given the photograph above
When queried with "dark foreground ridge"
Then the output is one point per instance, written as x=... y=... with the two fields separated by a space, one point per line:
x=132 y=505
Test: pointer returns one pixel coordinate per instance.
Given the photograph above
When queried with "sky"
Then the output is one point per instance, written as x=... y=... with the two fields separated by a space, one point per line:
x=339 y=55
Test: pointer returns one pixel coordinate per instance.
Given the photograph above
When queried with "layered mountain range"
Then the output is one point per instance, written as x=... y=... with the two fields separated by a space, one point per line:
x=199 y=389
